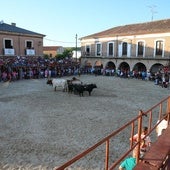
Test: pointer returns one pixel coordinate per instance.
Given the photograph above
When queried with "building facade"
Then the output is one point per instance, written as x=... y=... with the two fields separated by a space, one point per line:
x=135 y=47
x=15 y=41
x=52 y=51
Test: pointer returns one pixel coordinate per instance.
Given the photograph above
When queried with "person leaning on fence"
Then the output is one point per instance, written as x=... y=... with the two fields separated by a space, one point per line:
x=147 y=139
x=162 y=125
x=128 y=163
x=143 y=149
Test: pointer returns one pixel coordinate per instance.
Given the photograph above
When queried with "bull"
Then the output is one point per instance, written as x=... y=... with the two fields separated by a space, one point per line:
x=80 y=88
x=71 y=84
x=89 y=88
x=58 y=83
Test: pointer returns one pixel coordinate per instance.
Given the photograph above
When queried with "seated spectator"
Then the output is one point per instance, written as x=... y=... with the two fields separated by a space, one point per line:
x=162 y=125
x=128 y=164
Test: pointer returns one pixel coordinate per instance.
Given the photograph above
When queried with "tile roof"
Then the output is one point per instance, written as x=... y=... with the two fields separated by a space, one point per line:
x=13 y=29
x=159 y=26
x=51 y=48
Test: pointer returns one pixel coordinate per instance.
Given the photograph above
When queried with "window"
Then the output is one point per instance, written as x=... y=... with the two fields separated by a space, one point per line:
x=159 y=47
x=110 y=50
x=29 y=44
x=87 y=49
x=140 y=48
x=8 y=47
x=29 y=48
x=8 y=44
x=98 y=49
x=124 y=48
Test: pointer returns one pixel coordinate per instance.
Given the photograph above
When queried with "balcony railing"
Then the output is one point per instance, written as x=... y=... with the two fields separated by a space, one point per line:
x=106 y=55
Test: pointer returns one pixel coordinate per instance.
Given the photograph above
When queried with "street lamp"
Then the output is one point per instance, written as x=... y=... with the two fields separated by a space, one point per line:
x=76 y=47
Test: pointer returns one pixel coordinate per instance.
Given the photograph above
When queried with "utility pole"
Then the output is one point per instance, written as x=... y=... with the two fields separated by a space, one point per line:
x=76 y=47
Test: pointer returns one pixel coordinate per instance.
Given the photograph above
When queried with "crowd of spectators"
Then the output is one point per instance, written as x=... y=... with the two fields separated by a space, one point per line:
x=17 y=68
x=161 y=77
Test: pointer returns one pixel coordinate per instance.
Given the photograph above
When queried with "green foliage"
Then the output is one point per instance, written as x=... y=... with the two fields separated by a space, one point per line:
x=59 y=56
x=67 y=53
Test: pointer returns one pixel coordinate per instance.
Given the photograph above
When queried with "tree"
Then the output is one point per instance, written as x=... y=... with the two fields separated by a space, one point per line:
x=67 y=53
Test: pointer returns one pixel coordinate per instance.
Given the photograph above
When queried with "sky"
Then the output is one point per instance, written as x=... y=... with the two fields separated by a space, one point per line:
x=61 y=20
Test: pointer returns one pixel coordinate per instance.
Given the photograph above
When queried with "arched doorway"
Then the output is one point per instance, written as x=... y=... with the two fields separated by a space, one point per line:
x=110 y=69
x=156 y=68
x=98 y=66
x=139 y=67
x=87 y=67
x=124 y=66
x=110 y=65
x=123 y=70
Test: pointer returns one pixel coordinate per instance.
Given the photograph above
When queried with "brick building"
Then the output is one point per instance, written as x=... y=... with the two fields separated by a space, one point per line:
x=52 y=51
x=141 y=46
x=15 y=41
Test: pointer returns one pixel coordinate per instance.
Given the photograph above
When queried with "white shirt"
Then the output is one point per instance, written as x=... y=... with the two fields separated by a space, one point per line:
x=161 y=126
x=147 y=139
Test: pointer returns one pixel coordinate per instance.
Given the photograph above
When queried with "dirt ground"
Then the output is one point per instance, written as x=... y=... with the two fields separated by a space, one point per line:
x=40 y=129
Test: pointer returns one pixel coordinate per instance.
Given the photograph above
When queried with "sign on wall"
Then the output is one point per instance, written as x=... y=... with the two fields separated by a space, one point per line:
x=9 y=51
x=30 y=52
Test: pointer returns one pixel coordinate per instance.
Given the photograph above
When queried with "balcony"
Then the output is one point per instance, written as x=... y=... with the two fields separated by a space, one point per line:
x=30 y=52
x=9 y=51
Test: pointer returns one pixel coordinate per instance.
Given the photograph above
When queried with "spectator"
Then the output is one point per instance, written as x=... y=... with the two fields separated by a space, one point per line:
x=128 y=164
x=142 y=149
x=147 y=140
x=162 y=125
x=4 y=76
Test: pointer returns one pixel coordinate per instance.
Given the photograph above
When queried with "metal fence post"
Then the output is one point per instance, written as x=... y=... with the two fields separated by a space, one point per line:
x=139 y=135
x=168 y=109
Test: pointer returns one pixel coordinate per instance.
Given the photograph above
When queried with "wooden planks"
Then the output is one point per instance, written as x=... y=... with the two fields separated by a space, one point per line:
x=158 y=153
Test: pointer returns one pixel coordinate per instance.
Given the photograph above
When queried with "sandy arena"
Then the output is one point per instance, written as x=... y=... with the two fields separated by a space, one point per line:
x=40 y=129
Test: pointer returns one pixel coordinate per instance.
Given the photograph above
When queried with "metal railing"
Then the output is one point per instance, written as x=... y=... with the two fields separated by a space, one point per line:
x=157 y=110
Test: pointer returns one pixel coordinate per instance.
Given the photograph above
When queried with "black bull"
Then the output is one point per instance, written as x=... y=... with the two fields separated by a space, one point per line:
x=80 y=88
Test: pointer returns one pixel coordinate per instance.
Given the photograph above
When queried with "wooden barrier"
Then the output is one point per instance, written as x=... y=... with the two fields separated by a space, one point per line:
x=154 y=159
x=158 y=155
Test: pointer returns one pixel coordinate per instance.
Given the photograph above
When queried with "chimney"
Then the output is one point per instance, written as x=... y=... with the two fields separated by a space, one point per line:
x=13 y=24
